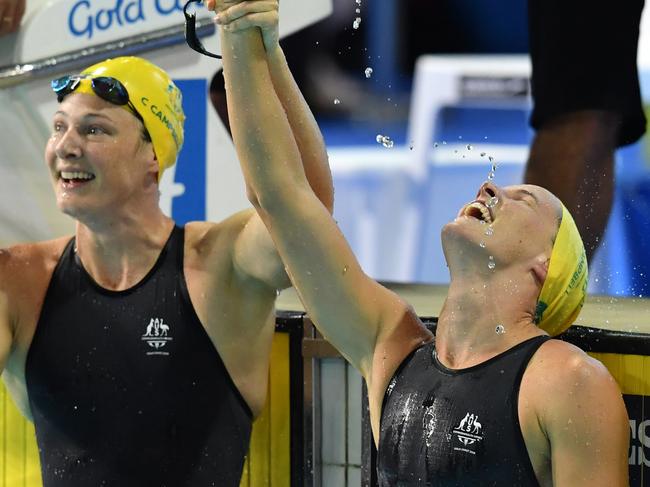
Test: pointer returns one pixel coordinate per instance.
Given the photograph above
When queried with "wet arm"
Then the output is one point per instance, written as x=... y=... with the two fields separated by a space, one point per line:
x=588 y=428
x=350 y=308
x=255 y=253
x=303 y=127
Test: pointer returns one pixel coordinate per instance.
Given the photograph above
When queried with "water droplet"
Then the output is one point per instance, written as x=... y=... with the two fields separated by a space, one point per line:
x=337 y=101
x=489 y=231
x=490 y=175
x=500 y=329
x=345 y=269
x=435 y=144
x=368 y=72
x=460 y=137
x=411 y=145
x=357 y=23
x=385 y=141
x=491 y=263
x=482 y=154
x=490 y=158
x=444 y=142
x=492 y=202
x=482 y=245
x=358 y=10
x=469 y=147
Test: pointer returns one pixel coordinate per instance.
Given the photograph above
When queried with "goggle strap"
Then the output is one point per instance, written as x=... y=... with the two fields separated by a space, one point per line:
x=190 y=33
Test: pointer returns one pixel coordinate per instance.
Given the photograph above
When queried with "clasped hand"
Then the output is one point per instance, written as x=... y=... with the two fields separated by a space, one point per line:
x=242 y=15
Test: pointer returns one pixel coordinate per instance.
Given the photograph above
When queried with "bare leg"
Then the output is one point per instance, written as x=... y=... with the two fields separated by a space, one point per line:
x=573 y=157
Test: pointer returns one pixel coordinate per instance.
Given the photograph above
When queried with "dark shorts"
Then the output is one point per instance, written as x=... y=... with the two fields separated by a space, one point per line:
x=584 y=58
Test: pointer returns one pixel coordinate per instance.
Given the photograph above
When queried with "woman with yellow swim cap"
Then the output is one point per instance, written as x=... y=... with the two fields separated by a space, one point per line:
x=140 y=348
x=491 y=399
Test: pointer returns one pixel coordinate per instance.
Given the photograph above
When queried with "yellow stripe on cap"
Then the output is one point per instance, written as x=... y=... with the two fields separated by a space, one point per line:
x=156 y=98
x=565 y=288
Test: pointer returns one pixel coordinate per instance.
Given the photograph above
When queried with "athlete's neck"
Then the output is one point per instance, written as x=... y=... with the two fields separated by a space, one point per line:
x=484 y=317
x=119 y=256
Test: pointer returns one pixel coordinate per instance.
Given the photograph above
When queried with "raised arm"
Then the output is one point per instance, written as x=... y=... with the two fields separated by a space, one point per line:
x=254 y=252
x=354 y=312
x=303 y=125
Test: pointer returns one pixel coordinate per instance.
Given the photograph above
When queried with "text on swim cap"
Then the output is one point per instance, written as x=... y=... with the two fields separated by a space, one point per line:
x=160 y=115
x=85 y=18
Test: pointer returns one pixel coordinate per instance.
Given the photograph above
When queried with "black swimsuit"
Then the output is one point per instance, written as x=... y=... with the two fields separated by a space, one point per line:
x=126 y=387
x=443 y=427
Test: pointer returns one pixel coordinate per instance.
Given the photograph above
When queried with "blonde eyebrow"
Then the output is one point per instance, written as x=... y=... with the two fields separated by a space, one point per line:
x=529 y=193
x=86 y=116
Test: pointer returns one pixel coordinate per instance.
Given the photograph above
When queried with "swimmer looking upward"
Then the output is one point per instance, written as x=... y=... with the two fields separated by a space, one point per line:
x=492 y=399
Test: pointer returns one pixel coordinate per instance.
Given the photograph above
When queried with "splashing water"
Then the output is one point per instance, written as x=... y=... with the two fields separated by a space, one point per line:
x=337 y=101
x=385 y=141
x=491 y=263
x=492 y=169
x=482 y=245
x=368 y=72
x=489 y=231
x=356 y=23
x=500 y=330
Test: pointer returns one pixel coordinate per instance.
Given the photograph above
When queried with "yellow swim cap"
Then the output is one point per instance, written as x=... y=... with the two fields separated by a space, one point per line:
x=565 y=287
x=156 y=98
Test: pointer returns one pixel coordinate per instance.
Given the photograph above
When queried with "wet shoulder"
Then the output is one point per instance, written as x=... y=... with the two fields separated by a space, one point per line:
x=560 y=369
x=26 y=264
x=25 y=272
x=210 y=239
x=560 y=356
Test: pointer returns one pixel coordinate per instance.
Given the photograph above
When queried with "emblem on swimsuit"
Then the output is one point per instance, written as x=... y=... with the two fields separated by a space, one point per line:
x=157 y=336
x=468 y=432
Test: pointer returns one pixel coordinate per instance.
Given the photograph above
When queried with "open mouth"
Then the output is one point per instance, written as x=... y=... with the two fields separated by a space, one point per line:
x=76 y=177
x=479 y=211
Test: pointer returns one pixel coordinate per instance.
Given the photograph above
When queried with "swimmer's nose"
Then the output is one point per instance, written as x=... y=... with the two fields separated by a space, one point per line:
x=487 y=190
x=68 y=147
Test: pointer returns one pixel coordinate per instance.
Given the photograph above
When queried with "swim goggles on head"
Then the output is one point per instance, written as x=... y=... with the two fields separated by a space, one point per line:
x=105 y=87
x=190 y=32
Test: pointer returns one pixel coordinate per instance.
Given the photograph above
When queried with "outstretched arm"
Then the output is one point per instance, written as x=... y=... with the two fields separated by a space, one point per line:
x=356 y=314
x=254 y=241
